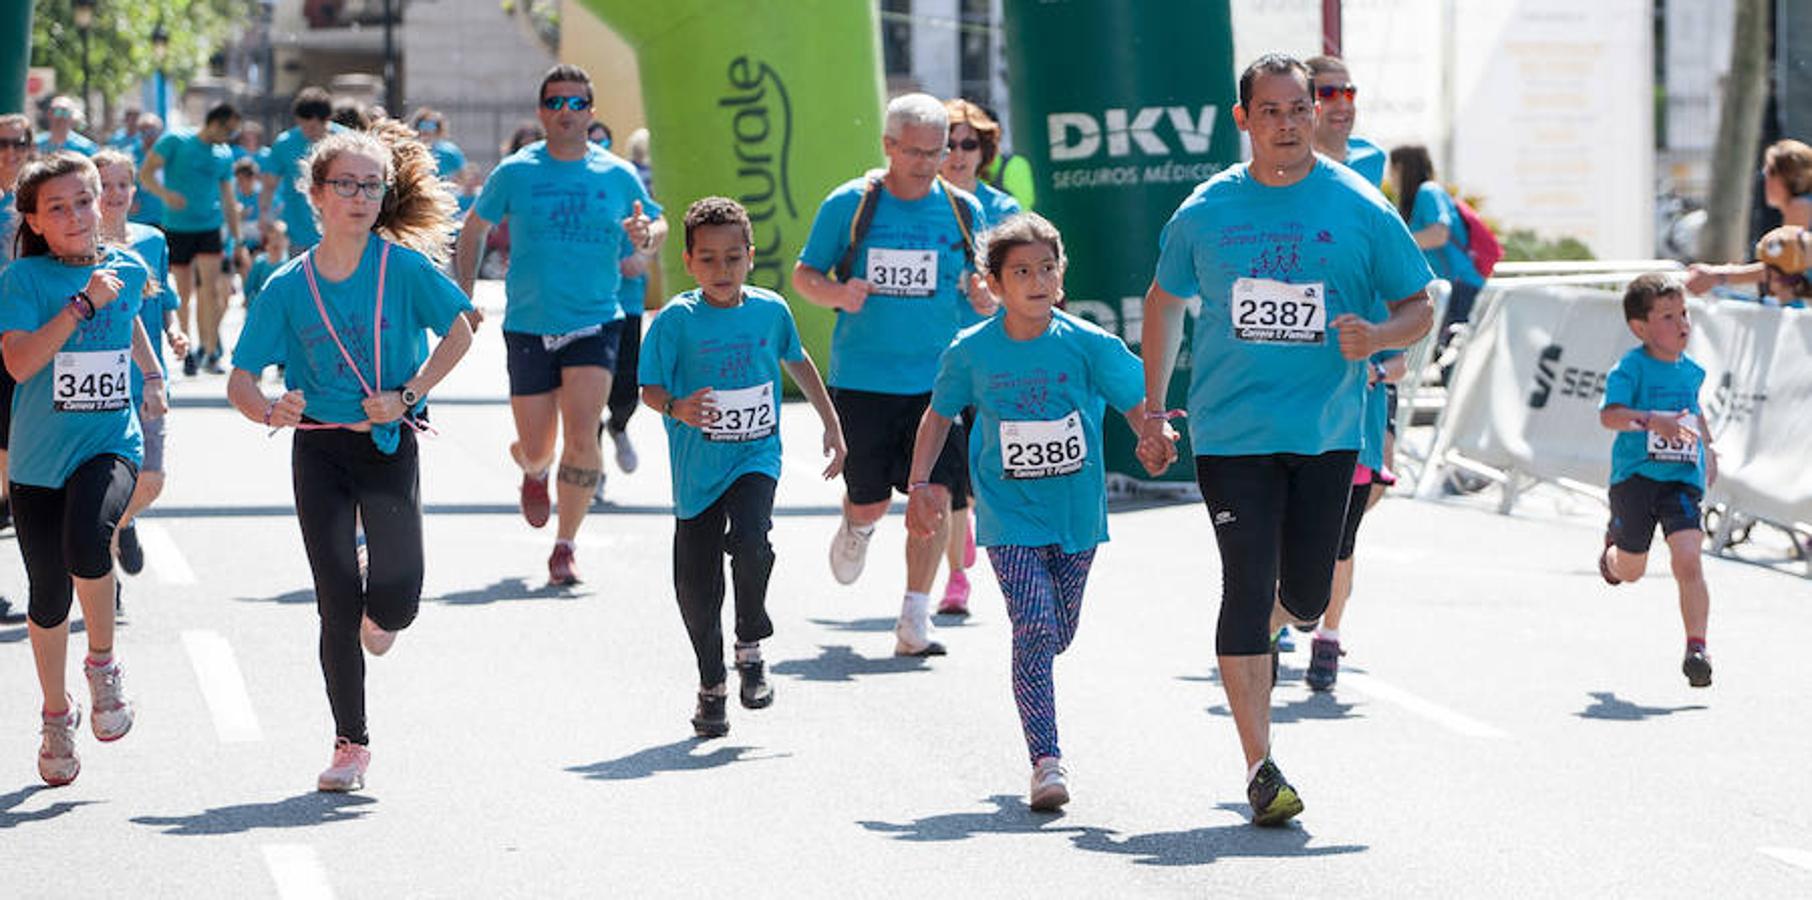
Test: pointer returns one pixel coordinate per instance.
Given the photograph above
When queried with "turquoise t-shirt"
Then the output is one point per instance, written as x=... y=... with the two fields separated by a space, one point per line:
x=448 y=158
x=1282 y=263
x=284 y=161
x=248 y=216
x=75 y=142
x=1377 y=417
x=997 y=205
x=913 y=254
x=566 y=235
x=1449 y=261
x=151 y=247
x=262 y=269
x=284 y=326
x=737 y=352
x=1367 y=159
x=633 y=295
x=147 y=209
x=52 y=436
x=194 y=168
x=1645 y=384
x=1035 y=449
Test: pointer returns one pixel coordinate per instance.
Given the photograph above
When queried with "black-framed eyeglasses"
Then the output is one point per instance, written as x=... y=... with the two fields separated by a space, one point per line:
x=1329 y=91
x=350 y=187
x=967 y=145
x=19 y=143
x=576 y=104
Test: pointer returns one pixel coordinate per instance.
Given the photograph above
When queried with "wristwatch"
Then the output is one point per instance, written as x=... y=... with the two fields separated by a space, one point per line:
x=410 y=397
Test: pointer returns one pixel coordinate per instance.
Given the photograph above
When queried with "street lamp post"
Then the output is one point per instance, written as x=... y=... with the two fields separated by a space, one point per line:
x=84 y=21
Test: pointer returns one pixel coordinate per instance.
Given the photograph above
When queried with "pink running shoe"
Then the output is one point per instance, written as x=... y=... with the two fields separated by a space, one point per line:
x=58 y=763
x=956 y=595
x=347 y=773
x=377 y=641
x=561 y=569
x=534 y=499
x=112 y=714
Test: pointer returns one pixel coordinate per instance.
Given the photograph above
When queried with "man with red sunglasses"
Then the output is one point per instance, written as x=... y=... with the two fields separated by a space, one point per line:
x=1334 y=113
x=571 y=206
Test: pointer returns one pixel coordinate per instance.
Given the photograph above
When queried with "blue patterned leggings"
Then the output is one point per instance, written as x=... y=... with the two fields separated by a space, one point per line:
x=1043 y=587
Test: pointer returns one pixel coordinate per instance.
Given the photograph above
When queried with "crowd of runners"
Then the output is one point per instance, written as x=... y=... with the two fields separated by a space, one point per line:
x=954 y=378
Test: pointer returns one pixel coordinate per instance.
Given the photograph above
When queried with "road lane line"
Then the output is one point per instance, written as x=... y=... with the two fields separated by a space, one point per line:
x=222 y=687
x=1789 y=855
x=1440 y=715
x=162 y=554
x=297 y=871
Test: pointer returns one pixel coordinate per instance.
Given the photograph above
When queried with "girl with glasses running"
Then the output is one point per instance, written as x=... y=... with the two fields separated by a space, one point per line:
x=348 y=317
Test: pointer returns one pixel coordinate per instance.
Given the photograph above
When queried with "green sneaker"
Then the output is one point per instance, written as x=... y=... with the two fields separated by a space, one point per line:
x=1273 y=801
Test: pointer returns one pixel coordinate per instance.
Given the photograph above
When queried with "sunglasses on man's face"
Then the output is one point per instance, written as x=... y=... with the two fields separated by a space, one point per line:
x=1330 y=91
x=576 y=104
x=967 y=145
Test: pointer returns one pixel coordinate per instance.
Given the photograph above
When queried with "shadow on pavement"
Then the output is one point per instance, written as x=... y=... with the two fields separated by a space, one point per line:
x=1010 y=816
x=1317 y=706
x=19 y=633
x=299 y=595
x=10 y=819
x=866 y=626
x=840 y=663
x=674 y=757
x=508 y=589
x=300 y=811
x=1608 y=706
x=1204 y=846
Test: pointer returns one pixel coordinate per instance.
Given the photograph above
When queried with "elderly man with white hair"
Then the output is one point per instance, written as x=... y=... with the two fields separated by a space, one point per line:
x=893 y=252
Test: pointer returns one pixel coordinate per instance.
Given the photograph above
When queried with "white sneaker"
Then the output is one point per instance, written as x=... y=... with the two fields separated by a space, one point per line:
x=377 y=641
x=1050 y=785
x=626 y=458
x=849 y=553
x=111 y=717
x=58 y=763
x=912 y=633
x=347 y=771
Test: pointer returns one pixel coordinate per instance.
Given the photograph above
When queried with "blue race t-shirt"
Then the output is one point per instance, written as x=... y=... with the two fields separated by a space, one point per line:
x=737 y=352
x=1433 y=206
x=1643 y=383
x=566 y=234
x=913 y=255
x=248 y=216
x=147 y=209
x=284 y=161
x=996 y=205
x=154 y=251
x=75 y=142
x=633 y=295
x=1367 y=159
x=1035 y=449
x=79 y=406
x=194 y=168
x=262 y=269
x=284 y=326
x=1274 y=266
x=448 y=158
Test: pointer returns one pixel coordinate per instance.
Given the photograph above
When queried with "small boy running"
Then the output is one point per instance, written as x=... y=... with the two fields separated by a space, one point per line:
x=1039 y=380
x=711 y=365
x=1661 y=459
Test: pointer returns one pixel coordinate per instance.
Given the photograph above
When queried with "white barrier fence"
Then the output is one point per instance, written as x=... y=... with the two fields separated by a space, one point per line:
x=1522 y=404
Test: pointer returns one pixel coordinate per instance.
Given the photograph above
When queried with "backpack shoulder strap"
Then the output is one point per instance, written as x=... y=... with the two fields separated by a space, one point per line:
x=859 y=225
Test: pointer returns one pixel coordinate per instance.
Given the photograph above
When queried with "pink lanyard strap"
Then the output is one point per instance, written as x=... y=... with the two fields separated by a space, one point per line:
x=377 y=338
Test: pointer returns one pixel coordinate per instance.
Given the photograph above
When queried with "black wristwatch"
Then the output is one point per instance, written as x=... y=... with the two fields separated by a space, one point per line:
x=410 y=397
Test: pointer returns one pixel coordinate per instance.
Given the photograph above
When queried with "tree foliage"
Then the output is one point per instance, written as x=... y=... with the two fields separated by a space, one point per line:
x=120 y=52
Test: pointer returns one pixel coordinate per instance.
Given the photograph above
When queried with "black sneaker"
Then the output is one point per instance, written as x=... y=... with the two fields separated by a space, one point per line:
x=710 y=720
x=1324 y=664
x=1273 y=801
x=756 y=693
x=1697 y=667
x=8 y=615
x=190 y=364
x=132 y=556
x=213 y=365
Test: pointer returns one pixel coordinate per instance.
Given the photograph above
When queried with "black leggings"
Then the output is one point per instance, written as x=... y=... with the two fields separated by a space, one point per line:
x=69 y=531
x=341 y=479
x=736 y=524
x=625 y=390
x=1278 y=519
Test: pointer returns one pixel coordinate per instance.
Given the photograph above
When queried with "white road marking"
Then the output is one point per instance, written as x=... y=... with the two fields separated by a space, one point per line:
x=1789 y=855
x=297 y=871
x=1440 y=715
x=162 y=554
x=222 y=686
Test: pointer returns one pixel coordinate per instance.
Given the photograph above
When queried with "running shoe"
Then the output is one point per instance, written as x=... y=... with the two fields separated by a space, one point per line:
x=190 y=364
x=132 y=556
x=756 y=692
x=534 y=498
x=111 y=717
x=58 y=763
x=1604 y=563
x=9 y=615
x=710 y=720
x=561 y=569
x=1324 y=664
x=1285 y=643
x=377 y=641
x=347 y=771
x=1697 y=667
x=912 y=633
x=213 y=365
x=1273 y=800
x=1050 y=785
x=848 y=553
x=626 y=458
x=956 y=595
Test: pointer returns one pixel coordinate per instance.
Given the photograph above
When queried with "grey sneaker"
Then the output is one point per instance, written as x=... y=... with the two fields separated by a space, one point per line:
x=849 y=553
x=347 y=770
x=626 y=458
x=1050 y=785
x=58 y=764
x=112 y=712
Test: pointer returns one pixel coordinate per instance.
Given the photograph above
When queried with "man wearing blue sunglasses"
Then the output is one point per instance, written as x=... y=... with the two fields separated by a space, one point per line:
x=571 y=205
